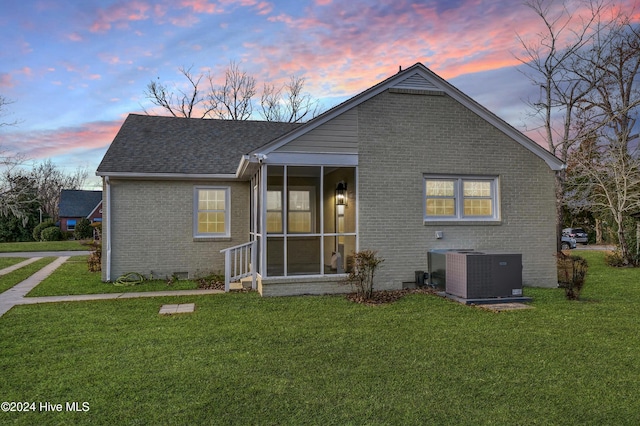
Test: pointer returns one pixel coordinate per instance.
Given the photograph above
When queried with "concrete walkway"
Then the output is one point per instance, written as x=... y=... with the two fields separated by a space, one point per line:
x=16 y=295
x=17 y=266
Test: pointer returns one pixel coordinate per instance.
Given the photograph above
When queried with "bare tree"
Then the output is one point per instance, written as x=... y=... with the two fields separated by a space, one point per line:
x=190 y=102
x=550 y=60
x=234 y=99
x=289 y=103
x=3 y=106
x=607 y=171
x=17 y=189
x=50 y=181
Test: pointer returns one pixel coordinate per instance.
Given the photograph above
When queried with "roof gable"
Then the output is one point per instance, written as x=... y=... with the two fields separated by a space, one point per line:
x=415 y=79
x=78 y=203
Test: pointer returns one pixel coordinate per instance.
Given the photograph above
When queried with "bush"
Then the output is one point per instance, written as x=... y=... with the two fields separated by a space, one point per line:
x=614 y=258
x=83 y=229
x=365 y=263
x=52 y=233
x=94 y=261
x=37 y=231
x=572 y=271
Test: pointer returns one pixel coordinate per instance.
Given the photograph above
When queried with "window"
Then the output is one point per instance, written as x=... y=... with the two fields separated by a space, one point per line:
x=461 y=198
x=300 y=213
x=211 y=212
x=71 y=224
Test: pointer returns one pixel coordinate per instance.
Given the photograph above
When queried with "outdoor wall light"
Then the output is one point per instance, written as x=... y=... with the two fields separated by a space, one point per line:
x=341 y=194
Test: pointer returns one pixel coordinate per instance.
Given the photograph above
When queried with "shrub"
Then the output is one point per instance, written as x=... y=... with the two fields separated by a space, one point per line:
x=52 y=233
x=572 y=271
x=614 y=258
x=94 y=261
x=37 y=231
x=365 y=264
x=83 y=229
x=97 y=230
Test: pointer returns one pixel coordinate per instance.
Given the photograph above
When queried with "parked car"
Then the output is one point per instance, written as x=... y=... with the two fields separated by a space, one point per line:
x=578 y=233
x=568 y=242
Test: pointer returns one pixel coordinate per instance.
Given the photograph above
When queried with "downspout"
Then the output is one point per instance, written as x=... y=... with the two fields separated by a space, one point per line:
x=107 y=236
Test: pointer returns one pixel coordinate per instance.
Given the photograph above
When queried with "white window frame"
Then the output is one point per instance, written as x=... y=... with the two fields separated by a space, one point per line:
x=459 y=198
x=227 y=212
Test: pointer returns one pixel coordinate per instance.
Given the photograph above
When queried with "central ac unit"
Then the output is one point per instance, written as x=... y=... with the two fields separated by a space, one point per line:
x=475 y=275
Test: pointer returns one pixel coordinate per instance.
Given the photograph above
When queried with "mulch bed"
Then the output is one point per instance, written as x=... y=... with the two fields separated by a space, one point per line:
x=382 y=297
x=210 y=284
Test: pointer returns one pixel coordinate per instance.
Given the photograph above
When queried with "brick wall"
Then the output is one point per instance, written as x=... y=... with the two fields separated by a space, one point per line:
x=152 y=228
x=401 y=138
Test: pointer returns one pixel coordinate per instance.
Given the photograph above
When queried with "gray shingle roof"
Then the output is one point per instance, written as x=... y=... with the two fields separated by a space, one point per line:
x=153 y=144
x=77 y=203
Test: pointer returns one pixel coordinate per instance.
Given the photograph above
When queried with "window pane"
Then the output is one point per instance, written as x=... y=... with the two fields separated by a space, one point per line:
x=441 y=207
x=274 y=200
x=274 y=222
x=478 y=207
x=476 y=189
x=299 y=200
x=300 y=222
x=211 y=222
x=440 y=188
x=211 y=199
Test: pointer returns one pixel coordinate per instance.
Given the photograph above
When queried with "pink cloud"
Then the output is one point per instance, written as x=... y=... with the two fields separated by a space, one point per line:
x=362 y=42
x=264 y=8
x=6 y=80
x=200 y=6
x=40 y=144
x=120 y=14
x=74 y=37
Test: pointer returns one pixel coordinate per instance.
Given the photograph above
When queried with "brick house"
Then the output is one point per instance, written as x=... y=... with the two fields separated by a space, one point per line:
x=409 y=165
x=78 y=204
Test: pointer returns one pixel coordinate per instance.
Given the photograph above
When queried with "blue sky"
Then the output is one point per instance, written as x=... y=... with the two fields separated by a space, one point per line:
x=75 y=69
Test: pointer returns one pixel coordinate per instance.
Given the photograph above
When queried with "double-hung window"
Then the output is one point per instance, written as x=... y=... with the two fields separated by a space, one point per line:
x=211 y=212
x=461 y=198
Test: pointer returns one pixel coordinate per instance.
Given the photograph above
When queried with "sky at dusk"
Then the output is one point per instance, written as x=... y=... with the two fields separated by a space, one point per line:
x=74 y=69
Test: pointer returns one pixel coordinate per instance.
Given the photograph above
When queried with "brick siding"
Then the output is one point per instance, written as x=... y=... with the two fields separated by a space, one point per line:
x=402 y=137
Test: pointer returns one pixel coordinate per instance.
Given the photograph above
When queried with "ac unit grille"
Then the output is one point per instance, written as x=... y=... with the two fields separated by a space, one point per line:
x=482 y=275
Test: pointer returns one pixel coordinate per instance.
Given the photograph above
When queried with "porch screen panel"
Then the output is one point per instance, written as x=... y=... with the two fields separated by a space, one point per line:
x=303 y=255
x=275 y=256
x=275 y=199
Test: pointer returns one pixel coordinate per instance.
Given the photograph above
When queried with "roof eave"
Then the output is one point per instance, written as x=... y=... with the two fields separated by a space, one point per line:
x=167 y=176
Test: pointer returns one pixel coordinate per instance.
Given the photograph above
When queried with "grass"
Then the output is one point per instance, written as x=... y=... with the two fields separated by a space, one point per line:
x=242 y=359
x=5 y=262
x=73 y=278
x=42 y=246
x=15 y=277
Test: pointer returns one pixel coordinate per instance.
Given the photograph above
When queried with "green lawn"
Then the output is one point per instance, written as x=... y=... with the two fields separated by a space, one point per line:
x=73 y=277
x=42 y=246
x=242 y=359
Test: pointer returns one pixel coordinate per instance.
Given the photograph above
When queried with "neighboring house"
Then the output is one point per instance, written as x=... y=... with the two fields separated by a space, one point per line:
x=76 y=204
x=409 y=165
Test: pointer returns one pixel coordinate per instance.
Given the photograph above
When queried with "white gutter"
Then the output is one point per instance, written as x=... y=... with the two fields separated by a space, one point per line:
x=107 y=235
x=132 y=175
